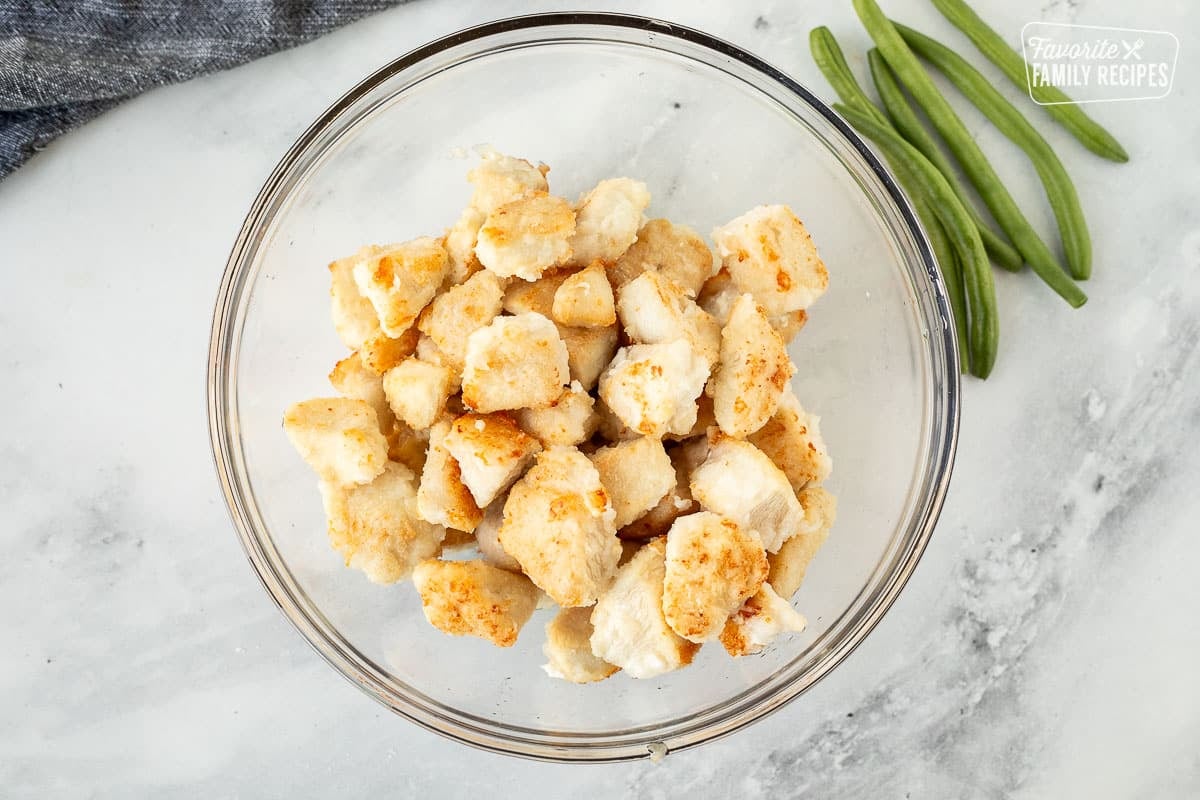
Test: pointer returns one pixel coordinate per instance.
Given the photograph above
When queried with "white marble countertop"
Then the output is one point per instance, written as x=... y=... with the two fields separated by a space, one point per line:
x=1046 y=647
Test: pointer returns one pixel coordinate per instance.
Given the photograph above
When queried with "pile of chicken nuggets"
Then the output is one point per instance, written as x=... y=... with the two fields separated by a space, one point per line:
x=564 y=403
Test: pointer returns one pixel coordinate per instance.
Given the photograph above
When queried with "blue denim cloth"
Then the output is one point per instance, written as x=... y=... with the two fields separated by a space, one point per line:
x=62 y=63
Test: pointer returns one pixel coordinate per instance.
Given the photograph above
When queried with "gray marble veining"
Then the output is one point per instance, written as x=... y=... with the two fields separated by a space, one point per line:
x=1046 y=646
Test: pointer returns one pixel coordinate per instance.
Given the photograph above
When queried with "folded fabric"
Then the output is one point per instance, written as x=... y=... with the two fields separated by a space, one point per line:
x=64 y=62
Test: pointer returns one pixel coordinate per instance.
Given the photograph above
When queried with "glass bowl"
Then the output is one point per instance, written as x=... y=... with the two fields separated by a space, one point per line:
x=713 y=131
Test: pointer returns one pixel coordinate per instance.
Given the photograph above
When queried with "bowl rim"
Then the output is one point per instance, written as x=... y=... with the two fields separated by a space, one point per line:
x=322 y=639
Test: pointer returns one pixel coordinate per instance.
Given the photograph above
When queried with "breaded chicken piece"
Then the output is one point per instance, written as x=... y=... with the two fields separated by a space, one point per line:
x=713 y=566
x=629 y=629
x=401 y=280
x=460 y=245
x=653 y=388
x=607 y=220
x=338 y=437
x=674 y=251
x=473 y=598
x=526 y=237
x=351 y=379
x=430 y=353
x=705 y=416
x=792 y=439
x=381 y=352
x=759 y=621
x=717 y=296
x=515 y=362
x=407 y=446
x=585 y=300
x=754 y=371
x=452 y=317
x=769 y=253
x=354 y=317
x=739 y=482
x=609 y=425
x=655 y=310
x=820 y=510
x=789 y=324
x=636 y=474
x=789 y=565
x=674 y=504
x=524 y=297
x=569 y=420
x=658 y=520
x=417 y=391
x=443 y=497
x=558 y=524
x=500 y=179
x=491 y=452
x=568 y=648
x=589 y=351
x=375 y=526
x=487 y=538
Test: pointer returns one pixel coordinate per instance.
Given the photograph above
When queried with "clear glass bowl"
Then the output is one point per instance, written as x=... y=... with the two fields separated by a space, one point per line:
x=713 y=131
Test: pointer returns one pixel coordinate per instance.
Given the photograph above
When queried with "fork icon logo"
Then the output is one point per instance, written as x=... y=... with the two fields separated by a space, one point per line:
x=1131 y=49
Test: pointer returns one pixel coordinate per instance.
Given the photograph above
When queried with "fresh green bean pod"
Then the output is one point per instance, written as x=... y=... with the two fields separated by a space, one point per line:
x=913 y=76
x=948 y=266
x=980 y=291
x=904 y=119
x=1064 y=200
x=1090 y=133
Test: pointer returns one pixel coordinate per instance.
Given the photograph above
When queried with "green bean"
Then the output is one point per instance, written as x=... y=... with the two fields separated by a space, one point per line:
x=950 y=270
x=904 y=119
x=980 y=291
x=829 y=58
x=1089 y=132
x=1064 y=201
x=912 y=75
